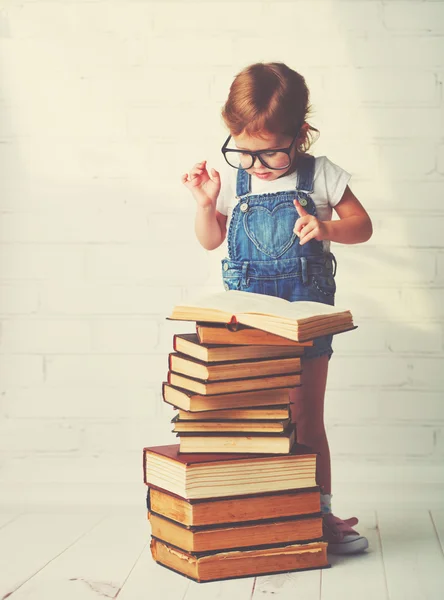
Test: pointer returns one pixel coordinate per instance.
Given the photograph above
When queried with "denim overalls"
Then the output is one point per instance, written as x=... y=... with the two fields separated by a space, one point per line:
x=264 y=254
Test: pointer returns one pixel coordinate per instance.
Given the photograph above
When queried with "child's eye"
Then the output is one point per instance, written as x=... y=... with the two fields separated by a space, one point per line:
x=269 y=153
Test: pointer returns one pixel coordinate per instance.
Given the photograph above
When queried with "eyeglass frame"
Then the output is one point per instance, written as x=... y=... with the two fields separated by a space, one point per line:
x=257 y=153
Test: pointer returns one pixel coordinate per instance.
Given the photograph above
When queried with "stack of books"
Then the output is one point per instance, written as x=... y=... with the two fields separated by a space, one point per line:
x=222 y=516
x=241 y=393
x=237 y=496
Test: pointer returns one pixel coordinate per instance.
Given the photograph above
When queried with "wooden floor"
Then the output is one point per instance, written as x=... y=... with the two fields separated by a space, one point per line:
x=81 y=555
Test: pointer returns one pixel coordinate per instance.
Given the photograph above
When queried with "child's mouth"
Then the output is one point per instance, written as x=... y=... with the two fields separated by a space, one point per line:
x=262 y=175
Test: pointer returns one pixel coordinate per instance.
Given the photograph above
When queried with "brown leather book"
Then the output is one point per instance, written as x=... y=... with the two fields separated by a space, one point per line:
x=224 y=371
x=237 y=441
x=188 y=344
x=214 y=566
x=236 y=536
x=195 y=402
x=229 y=425
x=266 y=413
x=235 y=509
x=234 y=385
x=221 y=333
x=212 y=475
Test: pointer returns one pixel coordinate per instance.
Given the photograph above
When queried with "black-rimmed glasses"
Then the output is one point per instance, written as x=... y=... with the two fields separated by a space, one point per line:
x=276 y=158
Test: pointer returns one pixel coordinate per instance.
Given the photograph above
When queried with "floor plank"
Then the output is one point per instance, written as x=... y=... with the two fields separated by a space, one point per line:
x=438 y=523
x=6 y=518
x=232 y=589
x=147 y=575
x=97 y=565
x=413 y=558
x=367 y=567
x=305 y=585
x=29 y=542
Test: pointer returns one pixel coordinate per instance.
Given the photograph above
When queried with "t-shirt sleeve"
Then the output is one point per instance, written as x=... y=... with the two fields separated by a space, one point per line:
x=336 y=180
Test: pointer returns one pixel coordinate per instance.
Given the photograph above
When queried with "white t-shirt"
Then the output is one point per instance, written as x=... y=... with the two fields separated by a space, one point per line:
x=329 y=185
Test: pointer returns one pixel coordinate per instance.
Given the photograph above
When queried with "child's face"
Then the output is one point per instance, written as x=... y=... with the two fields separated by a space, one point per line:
x=267 y=141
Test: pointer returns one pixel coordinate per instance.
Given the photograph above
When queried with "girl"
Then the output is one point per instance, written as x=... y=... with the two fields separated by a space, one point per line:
x=276 y=204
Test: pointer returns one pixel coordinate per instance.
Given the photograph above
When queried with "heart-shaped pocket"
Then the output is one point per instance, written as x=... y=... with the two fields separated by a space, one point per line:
x=271 y=231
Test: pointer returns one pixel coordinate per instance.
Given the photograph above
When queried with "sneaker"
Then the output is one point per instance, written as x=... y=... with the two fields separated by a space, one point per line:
x=341 y=538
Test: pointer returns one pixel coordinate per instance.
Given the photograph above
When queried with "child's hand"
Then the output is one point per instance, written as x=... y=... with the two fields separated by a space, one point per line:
x=205 y=187
x=308 y=227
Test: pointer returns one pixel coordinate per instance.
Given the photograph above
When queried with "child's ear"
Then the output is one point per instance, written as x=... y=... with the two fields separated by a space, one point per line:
x=303 y=130
x=303 y=135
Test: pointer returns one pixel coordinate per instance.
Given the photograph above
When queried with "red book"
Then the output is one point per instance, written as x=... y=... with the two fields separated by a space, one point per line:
x=202 y=475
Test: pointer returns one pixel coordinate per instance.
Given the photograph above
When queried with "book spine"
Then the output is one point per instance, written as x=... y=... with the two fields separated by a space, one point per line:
x=144 y=467
x=175 y=343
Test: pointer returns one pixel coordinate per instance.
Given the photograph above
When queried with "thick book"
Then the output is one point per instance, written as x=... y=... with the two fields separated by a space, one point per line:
x=188 y=343
x=188 y=400
x=236 y=536
x=224 y=371
x=251 y=443
x=235 y=509
x=240 y=563
x=208 y=475
x=228 y=426
x=298 y=321
x=266 y=413
x=233 y=385
x=221 y=333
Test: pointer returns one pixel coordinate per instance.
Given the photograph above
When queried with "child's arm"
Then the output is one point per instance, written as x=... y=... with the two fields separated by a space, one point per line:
x=210 y=227
x=210 y=224
x=353 y=227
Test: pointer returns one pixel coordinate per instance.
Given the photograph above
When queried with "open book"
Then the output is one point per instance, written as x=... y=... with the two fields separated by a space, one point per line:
x=297 y=321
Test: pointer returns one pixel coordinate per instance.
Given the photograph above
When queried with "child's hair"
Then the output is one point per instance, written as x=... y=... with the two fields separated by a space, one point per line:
x=269 y=97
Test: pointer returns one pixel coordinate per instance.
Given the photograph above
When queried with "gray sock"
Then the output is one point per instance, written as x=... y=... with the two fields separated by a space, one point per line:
x=326 y=503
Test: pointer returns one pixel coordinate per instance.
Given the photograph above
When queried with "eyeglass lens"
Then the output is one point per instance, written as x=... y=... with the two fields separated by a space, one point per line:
x=272 y=160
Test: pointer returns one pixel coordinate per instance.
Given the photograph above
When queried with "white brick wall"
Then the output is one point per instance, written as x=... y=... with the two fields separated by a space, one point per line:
x=103 y=106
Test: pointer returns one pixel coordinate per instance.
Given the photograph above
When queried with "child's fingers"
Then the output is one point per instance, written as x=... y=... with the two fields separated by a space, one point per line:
x=198 y=166
x=301 y=210
x=306 y=238
x=197 y=170
x=307 y=234
x=300 y=223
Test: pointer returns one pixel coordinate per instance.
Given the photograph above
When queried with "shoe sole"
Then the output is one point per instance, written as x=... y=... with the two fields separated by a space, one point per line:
x=354 y=546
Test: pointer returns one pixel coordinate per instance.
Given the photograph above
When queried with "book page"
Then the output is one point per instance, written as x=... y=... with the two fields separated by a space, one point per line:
x=237 y=302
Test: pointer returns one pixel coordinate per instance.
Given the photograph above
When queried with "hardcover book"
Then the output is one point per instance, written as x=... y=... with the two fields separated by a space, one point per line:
x=209 y=475
x=298 y=321
x=189 y=400
x=237 y=334
x=235 y=536
x=188 y=343
x=234 y=509
x=266 y=413
x=214 y=566
x=232 y=386
x=251 y=443
x=224 y=371
x=228 y=426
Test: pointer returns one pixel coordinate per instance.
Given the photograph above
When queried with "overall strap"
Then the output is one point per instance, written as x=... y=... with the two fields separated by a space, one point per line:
x=243 y=183
x=305 y=170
